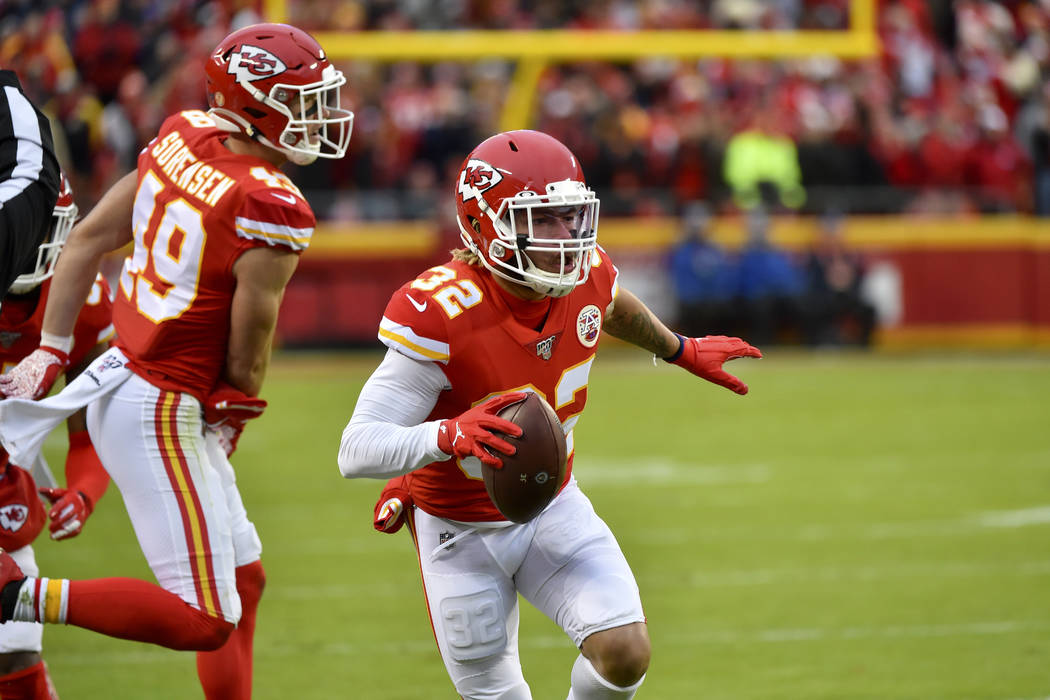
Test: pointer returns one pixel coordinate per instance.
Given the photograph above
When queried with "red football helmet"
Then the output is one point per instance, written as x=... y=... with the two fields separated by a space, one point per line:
x=63 y=216
x=273 y=83
x=524 y=209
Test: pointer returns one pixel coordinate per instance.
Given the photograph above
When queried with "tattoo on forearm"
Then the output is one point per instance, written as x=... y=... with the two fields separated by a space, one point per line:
x=638 y=328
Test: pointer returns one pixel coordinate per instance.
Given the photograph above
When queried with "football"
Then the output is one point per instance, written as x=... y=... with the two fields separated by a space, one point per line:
x=531 y=476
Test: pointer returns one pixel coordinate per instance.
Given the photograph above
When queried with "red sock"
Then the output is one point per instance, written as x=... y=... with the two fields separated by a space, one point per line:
x=31 y=683
x=226 y=673
x=128 y=608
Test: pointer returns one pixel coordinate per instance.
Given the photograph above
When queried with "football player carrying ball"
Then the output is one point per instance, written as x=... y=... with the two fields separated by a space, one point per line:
x=520 y=308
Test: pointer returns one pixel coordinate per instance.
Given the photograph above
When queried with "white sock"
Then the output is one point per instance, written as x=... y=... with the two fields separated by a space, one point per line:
x=25 y=607
x=588 y=685
x=42 y=600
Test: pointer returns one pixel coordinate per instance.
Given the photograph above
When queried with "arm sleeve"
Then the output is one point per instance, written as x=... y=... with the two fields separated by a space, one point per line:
x=84 y=471
x=387 y=435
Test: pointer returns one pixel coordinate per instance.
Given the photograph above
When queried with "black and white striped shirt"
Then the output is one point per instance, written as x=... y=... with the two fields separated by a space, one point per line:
x=27 y=151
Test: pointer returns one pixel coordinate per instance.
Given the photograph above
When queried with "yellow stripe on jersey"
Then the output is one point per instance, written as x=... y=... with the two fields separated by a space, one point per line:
x=295 y=238
x=415 y=346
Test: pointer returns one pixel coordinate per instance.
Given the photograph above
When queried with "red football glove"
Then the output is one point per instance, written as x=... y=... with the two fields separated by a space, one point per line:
x=226 y=410
x=69 y=511
x=471 y=432
x=35 y=374
x=705 y=356
x=392 y=506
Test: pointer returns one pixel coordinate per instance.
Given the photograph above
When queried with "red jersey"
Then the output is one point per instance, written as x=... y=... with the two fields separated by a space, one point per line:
x=456 y=315
x=197 y=208
x=22 y=317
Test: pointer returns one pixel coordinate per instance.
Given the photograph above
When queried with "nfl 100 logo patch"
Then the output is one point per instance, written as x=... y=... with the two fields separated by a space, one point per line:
x=545 y=347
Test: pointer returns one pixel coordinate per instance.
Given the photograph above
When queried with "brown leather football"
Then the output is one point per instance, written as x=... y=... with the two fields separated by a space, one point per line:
x=530 y=477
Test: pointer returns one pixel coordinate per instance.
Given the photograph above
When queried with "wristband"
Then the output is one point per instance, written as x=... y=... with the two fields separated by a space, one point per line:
x=679 y=351
x=63 y=343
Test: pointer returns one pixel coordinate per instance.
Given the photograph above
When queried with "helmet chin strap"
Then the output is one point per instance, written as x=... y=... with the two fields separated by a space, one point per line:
x=228 y=121
x=517 y=276
x=235 y=124
x=465 y=237
x=298 y=157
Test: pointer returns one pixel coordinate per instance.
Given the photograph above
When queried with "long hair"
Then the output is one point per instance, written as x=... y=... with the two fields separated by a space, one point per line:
x=466 y=256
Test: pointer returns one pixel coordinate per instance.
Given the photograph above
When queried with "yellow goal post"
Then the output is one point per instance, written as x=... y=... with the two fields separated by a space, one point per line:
x=533 y=50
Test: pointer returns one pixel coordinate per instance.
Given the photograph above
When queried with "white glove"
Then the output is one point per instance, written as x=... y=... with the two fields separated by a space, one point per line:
x=33 y=377
x=228 y=435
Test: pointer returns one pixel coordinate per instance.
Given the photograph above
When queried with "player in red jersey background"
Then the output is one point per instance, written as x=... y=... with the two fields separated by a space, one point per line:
x=217 y=231
x=520 y=309
x=23 y=675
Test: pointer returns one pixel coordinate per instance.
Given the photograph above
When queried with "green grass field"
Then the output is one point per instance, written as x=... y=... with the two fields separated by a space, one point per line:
x=859 y=526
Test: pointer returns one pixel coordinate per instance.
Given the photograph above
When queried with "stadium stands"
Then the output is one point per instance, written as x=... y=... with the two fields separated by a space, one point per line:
x=952 y=117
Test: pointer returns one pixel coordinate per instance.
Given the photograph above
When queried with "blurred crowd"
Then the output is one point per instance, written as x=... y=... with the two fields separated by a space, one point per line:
x=765 y=293
x=406 y=15
x=952 y=117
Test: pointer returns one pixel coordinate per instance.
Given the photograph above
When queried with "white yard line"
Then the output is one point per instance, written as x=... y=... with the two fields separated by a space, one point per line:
x=707 y=578
x=661 y=471
x=1038 y=516
x=1015 y=518
x=807 y=634
x=839 y=574
x=771 y=635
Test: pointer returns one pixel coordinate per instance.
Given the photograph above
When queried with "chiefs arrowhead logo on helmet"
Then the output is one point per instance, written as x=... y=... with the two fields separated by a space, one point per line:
x=13 y=517
x=476 y=177
x=253 y=63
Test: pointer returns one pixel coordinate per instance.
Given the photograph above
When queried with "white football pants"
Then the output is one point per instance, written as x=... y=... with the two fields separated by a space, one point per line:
x=179 y=491
x=565 y=561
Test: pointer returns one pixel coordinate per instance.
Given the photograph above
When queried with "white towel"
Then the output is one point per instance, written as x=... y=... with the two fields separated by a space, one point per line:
x=24 y=423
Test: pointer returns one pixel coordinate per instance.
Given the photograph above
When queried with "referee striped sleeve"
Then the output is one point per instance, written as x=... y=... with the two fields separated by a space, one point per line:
x=22 y=148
